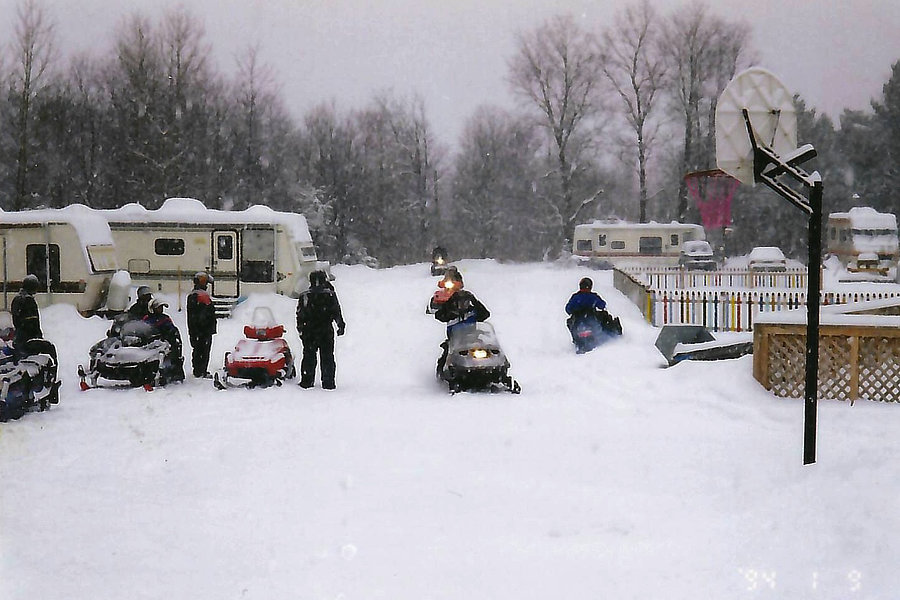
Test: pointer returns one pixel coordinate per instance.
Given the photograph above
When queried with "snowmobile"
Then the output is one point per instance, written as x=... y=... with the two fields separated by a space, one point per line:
x=261 y=359
x=593 y=329
x=475 y=361
x=27 y=378
x=439 y=261
x=135 y=352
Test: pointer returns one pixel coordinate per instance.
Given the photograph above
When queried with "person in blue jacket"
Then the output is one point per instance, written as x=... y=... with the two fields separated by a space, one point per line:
x=584 y=302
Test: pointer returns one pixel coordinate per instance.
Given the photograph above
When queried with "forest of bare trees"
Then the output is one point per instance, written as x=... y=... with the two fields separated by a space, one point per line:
x=607 y=122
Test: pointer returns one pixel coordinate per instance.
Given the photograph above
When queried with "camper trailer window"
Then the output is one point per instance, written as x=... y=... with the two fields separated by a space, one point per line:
x=601 y=239
x=674 y=240
x=308 y=251
x=225 y=247
x=844 y=235
x=258 y=255
x=583 y=245
x=36 y=262
x=617 y=245
x=650 y=245
x=169 y=246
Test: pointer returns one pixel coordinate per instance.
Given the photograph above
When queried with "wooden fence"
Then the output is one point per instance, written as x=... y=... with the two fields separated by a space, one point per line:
x=724 y=309
x=668 y=278
x=855 y=361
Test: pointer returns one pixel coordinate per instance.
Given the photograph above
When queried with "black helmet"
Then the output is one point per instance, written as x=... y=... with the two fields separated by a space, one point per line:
x=585 y=284
x=144 y=292
x=202 y=279
x=317 y=278
x=31 y=284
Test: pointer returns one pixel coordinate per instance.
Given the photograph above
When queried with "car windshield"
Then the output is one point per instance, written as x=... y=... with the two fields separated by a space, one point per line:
x=698 y=247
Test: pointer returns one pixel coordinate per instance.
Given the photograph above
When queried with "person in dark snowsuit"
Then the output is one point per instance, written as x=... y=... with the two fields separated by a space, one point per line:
x=139 y=309
x=173 y=369
x=462 y=308
x=317 y=309
x=25 y=315
x=201 y=322
x=583 y=303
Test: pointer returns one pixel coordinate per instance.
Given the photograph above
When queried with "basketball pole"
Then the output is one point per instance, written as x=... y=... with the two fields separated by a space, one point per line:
x=767 y=167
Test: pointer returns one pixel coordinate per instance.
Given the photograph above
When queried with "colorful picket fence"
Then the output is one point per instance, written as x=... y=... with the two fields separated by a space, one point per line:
x=723 y=309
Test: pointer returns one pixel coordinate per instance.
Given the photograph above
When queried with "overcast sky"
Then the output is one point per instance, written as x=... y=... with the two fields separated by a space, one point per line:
x=836 y=53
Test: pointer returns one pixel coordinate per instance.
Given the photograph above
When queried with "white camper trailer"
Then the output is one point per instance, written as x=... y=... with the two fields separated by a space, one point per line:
x=70 y=250
x=247 y=251
x=864 y=240
x=619 y=243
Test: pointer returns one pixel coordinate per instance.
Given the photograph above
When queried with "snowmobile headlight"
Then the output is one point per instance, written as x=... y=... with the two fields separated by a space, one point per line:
x=449 y=285
x=480 y=353
x=440 y=260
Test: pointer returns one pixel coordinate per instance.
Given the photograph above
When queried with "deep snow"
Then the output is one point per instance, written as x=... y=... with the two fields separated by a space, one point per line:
x=608 y=477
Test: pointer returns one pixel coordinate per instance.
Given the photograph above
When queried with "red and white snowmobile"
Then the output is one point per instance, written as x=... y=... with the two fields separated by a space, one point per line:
x=262 y=358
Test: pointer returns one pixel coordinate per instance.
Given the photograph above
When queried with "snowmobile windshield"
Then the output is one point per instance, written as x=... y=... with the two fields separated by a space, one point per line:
x=480 y=335
x=263 y=318
x=136 y=333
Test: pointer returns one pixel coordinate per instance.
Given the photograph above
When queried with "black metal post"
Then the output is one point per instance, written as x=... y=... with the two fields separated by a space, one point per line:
x=812 y=323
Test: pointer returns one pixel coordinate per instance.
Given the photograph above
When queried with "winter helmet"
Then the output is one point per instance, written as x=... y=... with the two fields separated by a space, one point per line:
x=144 y=293
x=317 y=278
x=202 y=279
x=156 y=306
x=31 y=284
x=585 y=284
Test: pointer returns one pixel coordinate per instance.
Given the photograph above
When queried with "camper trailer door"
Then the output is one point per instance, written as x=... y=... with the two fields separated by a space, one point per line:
x=225 y=263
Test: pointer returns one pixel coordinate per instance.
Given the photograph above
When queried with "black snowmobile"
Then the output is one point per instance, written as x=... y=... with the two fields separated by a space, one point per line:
x=592 y=329
x=133 y=351
x=28 y=378
x=475 y=361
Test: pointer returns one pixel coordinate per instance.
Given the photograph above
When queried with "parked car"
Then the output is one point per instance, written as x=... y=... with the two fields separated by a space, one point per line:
x=767 y=258
x=697 y=254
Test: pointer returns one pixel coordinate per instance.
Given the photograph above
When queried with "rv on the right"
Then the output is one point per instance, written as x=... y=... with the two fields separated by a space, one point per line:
x=864 y=240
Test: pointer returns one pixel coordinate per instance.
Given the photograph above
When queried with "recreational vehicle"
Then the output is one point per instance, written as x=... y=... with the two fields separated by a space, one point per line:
x=70 y=251
x=617 y=243
x=864 y=240
x=247 y=251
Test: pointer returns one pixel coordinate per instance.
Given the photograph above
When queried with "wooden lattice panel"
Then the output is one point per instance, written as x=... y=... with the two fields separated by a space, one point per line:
x=854 y=361
x=787 y=364
x=835 y=372
x=879 y=369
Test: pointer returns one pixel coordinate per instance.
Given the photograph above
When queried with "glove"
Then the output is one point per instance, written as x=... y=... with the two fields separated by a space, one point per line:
x=340 y=329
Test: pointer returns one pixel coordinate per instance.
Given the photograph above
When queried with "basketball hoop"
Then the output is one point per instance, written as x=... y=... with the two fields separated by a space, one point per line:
x=712 y=191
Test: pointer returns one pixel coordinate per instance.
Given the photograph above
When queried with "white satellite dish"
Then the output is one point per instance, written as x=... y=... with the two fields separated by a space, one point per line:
x=770 y=107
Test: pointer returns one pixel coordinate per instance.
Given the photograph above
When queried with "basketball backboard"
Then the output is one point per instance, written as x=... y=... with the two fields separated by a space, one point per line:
x=770 y=107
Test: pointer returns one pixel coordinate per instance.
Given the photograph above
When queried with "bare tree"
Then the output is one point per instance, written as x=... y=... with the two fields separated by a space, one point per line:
x=634 y=66
x=556 y=71
x=34 y=54
x=496 y=207
x=704 y=53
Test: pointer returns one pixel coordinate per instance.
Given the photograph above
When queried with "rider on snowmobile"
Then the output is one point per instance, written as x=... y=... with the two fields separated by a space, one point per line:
x=585 y=302
x=461 y=308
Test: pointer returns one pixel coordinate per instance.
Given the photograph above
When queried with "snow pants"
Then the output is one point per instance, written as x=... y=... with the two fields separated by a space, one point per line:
x=200 y=345
x=317 y=344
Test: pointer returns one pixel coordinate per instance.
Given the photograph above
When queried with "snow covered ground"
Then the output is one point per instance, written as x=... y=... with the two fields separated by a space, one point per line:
x=608 y=477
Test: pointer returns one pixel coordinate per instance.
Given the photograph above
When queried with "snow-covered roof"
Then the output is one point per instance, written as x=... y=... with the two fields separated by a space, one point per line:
x=90 y=225
x=629 y=225
x=865 y=217
x=767 y=253
x=190 y=210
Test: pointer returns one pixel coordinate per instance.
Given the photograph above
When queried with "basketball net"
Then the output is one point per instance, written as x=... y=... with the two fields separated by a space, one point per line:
x=712 y=191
